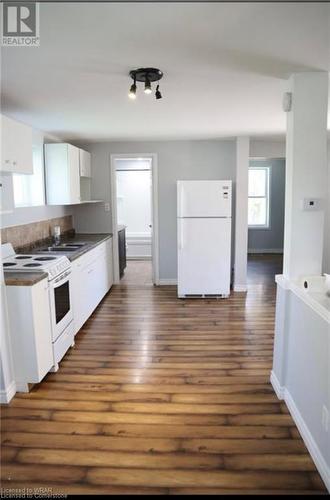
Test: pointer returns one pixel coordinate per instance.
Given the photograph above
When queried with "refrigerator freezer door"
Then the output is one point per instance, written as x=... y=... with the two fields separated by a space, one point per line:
x=204 y=248
x=204 y=198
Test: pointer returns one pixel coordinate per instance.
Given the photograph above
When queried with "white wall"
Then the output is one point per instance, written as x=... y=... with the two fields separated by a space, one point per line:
x=134 y=201
x=301 y=369
x=326 y=251
x=214 y=159
x=271 y=239
x=26 y=215
x=264 y=148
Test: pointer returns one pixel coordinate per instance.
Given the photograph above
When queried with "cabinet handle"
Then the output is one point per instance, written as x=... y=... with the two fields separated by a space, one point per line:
x=14 y=162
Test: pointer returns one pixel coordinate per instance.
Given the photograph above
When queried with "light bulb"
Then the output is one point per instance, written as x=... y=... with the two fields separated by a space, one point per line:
x=132 y=92
x=147 y=87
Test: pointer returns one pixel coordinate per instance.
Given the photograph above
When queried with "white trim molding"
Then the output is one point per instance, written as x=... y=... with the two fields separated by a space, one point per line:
x=320 y=463
x=308 y=439
x=240 y=288
x=265 y=250
x=167 y=282
x=6 y=395
x=279 y=390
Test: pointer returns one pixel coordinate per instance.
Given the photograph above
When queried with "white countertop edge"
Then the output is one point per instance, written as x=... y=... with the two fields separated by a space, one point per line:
x=304 y=296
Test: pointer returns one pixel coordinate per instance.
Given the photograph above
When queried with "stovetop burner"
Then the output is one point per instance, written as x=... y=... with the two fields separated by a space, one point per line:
x=44 y=258
x=53 y=265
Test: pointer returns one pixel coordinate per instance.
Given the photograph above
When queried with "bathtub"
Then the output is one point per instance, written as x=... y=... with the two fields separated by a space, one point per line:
x=138 y=245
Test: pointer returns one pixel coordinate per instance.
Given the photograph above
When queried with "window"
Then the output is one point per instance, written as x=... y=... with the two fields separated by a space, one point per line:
x=29 y=190
x=258 y=203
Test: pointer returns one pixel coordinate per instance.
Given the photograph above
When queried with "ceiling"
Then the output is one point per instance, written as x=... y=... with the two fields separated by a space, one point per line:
x=225 y=68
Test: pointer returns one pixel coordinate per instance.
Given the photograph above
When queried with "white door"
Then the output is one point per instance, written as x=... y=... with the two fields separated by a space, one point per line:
x=204 y=247
x=204 y=198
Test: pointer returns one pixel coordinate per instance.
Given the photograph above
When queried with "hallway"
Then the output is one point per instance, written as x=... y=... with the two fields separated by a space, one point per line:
x=163 y=396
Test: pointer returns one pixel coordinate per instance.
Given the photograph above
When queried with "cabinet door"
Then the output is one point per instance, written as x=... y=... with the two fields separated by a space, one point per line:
x=23 y=149
x=85 y=163
x=16 y=141
x=92 y=277
x=74 y=173
x=81 y=293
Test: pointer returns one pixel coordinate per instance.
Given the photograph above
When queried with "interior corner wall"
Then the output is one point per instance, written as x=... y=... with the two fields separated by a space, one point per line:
x=177 y=160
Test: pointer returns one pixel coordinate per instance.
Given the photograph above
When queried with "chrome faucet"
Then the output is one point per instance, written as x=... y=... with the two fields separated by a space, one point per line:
x=57 y=235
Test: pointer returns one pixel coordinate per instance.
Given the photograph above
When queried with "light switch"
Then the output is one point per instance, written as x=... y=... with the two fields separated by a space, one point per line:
x=107 y=207
x=311 y=204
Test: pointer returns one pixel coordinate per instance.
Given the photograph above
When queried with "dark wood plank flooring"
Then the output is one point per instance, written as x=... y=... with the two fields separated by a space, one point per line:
x=164 y=396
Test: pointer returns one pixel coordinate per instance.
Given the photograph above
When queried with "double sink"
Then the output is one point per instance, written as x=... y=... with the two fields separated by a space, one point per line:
x=63 y=247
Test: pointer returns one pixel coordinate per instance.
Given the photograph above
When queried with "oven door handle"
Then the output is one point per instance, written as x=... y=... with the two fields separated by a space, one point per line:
x=61 y=278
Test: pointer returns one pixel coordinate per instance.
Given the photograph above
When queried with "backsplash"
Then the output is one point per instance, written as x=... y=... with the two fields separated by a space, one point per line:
x=27 y=235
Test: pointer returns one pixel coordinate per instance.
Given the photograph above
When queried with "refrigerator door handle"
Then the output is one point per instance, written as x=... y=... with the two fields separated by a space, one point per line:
x=181 y=235
x=181 y=194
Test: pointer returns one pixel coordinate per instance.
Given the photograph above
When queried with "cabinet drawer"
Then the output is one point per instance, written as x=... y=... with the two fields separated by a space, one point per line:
x=63 y=343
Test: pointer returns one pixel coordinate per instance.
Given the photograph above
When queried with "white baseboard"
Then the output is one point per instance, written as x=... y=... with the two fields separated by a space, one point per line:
x=308 y=439
x=7 y=394
x=279 y=390
x=265 y=250
x=317 y=457
x=167 y=282
x=240 y=288
x=138 y=257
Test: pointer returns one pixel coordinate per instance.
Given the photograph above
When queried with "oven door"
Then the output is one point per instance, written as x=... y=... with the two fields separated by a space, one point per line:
x=60 y=303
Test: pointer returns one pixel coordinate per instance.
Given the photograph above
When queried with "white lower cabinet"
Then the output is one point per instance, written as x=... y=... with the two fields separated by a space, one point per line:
x=92 y=278
x=30 y=332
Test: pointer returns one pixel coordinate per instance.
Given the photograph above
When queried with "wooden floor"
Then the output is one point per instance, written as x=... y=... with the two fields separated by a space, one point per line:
x=137 y=272
x=162 y=396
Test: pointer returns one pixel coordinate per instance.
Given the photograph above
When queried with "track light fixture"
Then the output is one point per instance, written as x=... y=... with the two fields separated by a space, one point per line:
x=147 y=86
x=158 y=95
x=132 y=90
x=147 y=76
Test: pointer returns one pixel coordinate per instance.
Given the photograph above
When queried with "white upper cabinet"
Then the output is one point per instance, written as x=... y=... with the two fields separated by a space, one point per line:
x=62 y=174
x=85 y=163
x=16 y=139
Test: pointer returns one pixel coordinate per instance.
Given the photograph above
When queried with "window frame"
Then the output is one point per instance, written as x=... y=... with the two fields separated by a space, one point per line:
x=267 y=197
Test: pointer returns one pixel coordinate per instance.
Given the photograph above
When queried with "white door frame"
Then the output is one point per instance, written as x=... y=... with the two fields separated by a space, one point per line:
x=154 y=204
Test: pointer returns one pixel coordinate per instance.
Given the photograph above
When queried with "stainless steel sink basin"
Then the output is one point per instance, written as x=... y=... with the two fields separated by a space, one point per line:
x=67 y=248
x=63 y=247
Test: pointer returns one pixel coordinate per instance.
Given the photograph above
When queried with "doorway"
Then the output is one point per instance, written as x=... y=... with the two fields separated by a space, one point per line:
x=266 y=205
x=134 y=218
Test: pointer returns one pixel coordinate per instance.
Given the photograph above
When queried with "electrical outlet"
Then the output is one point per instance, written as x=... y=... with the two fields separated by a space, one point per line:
x=107 y=207
x=325 y=418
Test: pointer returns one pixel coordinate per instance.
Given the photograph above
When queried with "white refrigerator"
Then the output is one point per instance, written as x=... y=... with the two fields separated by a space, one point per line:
x=204 y=238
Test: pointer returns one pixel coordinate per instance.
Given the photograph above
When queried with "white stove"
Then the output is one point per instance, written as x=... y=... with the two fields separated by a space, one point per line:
x=58 y=268
x=54 y=265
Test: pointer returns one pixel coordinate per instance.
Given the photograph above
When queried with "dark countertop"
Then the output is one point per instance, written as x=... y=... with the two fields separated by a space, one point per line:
x=31 y=278
x=92 y=239
x=23 y=279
